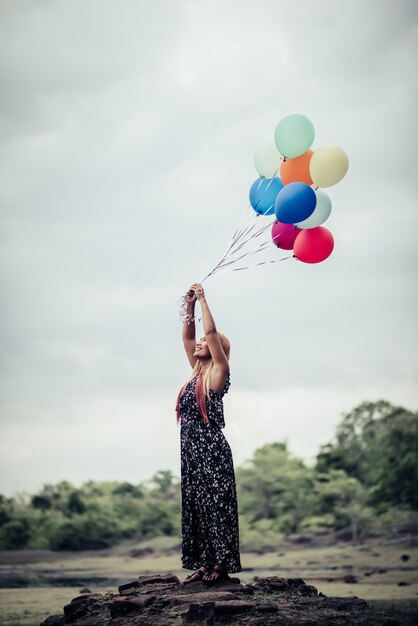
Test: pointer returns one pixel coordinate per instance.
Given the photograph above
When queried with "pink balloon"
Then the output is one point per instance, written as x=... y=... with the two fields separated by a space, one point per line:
x=284 y=235
x=313 y=245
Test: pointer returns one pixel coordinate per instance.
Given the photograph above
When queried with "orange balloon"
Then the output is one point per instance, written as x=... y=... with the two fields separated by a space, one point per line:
x=297 y=170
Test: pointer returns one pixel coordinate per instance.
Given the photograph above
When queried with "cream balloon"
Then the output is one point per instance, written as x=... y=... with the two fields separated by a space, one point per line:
x=328 y=166
x=267 y=159
x=321 y=212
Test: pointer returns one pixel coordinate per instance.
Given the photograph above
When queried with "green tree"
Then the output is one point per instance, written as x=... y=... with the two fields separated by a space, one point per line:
x=377 y=443
x=345 y=498
x=41 y=502
x=273 y=485
x=15 y=534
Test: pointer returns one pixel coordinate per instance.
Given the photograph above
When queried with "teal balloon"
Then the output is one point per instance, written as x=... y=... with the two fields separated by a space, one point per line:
x=294 y=135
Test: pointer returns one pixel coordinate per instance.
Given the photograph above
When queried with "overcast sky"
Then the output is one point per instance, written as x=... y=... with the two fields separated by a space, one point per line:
x=128 y=132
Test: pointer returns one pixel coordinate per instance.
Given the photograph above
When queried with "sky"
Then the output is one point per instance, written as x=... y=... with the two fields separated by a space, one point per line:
x=128 y=131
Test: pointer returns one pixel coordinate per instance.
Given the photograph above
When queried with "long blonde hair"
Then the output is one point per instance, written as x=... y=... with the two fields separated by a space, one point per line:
x=203 y=381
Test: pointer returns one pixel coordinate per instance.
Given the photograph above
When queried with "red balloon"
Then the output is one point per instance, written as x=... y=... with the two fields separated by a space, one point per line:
x=284 y=235
x=313 y=245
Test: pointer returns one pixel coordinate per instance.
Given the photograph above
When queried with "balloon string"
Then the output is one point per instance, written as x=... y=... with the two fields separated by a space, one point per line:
x=243 y=232
x=230 y=252
x=222 y=263
x=249 y=267
x=248 y=252
x=260 y=248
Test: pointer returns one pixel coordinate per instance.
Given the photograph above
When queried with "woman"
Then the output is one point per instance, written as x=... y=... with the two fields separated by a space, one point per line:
x=209 y=501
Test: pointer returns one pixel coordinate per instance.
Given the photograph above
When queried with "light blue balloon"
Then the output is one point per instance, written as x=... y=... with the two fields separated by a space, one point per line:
x=295 y=203
x=321 y=213
x=263 y=194
x=294 y=135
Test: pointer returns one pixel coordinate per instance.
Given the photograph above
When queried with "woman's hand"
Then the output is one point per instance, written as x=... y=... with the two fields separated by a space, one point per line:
x=198 y=291
x=191 y=296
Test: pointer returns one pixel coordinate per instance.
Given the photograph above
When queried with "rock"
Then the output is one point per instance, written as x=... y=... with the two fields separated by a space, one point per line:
x=92 y=620
x=80 y=606
x=200 y=585
x=350 y=578
x=381 y=570
x=86 y=596
x=402 y=583
x=208 y=596
x=310 y=602
x=148 y=580
x=85 y=590
x=273 y=582
x=332 y=603
x=232 y=607
x=198 y=612
x=139 y=552
x=163 y=600
x=129 y=591
x=160 y=578
x=133 y=584
x=405 y=557
x=295 y=582
x=54 y=620
x=344 y=603
x=121 y=605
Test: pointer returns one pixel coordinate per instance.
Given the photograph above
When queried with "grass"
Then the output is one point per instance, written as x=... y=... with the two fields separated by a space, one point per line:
x=323 y=567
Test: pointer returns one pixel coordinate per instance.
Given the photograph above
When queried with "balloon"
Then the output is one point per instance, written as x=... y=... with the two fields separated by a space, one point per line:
x=297 y=169
x=313 y=245
x=267 y=159
x=284 y=235
x=295 y=202
x=294 y=134
x=263 y=194
x=328 y=166
x=321 y=213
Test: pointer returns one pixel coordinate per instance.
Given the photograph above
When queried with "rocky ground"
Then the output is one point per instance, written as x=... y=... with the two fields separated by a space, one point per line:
x=162 y=600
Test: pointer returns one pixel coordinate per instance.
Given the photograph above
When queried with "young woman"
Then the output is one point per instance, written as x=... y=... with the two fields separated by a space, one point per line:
x=210 y=534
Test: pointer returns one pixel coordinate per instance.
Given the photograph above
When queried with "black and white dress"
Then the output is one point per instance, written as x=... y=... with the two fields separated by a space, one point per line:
x=210 y=532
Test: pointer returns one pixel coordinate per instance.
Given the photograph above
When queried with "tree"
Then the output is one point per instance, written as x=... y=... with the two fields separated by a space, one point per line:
x=345 y=497
x=377 y=443
x=41 y=502
x=274 y=485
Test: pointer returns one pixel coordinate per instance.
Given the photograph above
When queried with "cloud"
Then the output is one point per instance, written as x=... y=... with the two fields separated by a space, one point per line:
x=127 y=149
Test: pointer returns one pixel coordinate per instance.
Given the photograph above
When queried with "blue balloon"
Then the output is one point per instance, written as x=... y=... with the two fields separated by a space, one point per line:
x=263 y=194
x=294 y=203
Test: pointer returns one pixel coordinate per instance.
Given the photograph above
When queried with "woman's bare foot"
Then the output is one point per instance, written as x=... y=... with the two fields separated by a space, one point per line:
x=197 y=575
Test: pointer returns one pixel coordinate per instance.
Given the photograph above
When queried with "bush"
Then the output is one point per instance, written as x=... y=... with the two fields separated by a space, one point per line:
x=85 y=533
x=318 y=524
x=258 y=536
x=15 y=534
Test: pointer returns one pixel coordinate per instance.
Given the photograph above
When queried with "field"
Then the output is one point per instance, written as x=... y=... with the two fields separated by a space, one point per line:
x=385 y=573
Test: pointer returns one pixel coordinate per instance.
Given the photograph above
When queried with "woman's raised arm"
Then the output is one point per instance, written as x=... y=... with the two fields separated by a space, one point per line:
x=221 y=365
x=189 y=329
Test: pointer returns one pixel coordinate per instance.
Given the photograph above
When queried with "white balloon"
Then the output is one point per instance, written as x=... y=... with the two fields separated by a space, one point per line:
x=267 y=159
x=328 y=166
x=321 y=213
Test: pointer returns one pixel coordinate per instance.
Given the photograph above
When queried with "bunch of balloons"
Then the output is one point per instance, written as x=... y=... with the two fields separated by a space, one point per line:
x=291 y=178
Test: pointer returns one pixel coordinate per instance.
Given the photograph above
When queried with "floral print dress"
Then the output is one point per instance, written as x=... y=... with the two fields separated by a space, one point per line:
x=210 y=532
